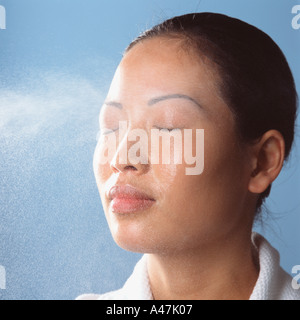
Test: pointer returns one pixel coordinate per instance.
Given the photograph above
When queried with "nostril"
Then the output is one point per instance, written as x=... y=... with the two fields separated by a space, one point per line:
x=130 y=168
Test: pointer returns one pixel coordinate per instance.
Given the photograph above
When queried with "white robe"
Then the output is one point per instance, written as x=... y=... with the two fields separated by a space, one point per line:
x=273 y=282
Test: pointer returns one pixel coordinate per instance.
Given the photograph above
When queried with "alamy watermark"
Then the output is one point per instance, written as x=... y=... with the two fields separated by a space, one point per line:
x=2 y=17
x=2 y=278
x=176 y=146
x=296 y=279
x=296 y=18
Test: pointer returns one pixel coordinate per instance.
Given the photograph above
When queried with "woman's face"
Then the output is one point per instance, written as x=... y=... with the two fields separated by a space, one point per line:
x=159 y=85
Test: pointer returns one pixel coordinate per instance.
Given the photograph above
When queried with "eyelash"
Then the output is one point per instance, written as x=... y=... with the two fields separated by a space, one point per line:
x=108 y=131
x=169 y=129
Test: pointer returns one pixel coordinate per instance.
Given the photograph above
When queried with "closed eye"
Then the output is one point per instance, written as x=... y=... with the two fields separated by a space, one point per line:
x=166 y=129
x=108 y=131
x=105 y=131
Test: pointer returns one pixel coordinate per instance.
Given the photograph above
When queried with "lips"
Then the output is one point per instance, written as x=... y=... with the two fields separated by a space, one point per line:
x=128 y=199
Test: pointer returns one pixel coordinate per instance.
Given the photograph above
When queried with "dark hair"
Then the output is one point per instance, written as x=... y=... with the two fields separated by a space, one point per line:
x=257 y=83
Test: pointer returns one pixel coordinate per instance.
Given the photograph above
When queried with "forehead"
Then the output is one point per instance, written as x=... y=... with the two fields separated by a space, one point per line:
x=161 y=64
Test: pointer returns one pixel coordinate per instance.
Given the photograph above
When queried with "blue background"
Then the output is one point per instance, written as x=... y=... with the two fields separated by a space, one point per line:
x=57 y=58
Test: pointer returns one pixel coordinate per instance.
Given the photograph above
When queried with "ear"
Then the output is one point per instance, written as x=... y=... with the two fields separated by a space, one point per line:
x=268 y=158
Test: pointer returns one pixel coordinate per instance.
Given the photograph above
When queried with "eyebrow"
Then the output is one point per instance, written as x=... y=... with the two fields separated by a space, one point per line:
x=173 y=96
x=114 y=104
x=153 y=101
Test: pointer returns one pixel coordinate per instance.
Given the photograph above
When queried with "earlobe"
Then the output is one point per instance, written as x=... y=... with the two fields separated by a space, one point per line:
x=269 y=158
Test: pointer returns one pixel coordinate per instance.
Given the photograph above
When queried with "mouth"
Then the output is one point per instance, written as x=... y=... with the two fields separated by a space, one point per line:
x=128 y=199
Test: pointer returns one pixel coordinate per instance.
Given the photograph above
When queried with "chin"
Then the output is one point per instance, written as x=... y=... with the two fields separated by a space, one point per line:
x=135 y=239
x=134 y=232
x=133 y=244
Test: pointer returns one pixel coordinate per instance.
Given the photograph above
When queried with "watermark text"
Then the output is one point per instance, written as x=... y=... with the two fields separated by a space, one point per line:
x=296 y=18
x=2 y=18
x=296 y=279
x=2 y=278
x=166 y=146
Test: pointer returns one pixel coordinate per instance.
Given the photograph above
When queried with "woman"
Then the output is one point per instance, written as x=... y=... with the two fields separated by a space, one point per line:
x=221 y=75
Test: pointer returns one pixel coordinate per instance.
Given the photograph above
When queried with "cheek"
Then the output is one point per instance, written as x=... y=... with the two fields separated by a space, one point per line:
x=193 y=197
x=166 y=178
x=223 y=158
x=176 y=183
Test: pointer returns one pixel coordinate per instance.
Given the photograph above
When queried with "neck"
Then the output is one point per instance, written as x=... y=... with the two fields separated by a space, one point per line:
x=225 y=269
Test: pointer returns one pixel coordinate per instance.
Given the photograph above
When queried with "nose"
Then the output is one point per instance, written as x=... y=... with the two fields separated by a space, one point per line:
x=117 y=168
x=131 y=156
